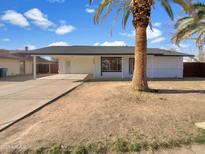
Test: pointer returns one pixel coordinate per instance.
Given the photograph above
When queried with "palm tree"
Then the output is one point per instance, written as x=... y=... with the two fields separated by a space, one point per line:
x=192 y=27
x=140 y=10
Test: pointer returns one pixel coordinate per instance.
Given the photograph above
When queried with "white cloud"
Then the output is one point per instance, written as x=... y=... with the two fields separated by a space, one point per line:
x=89 y=10
x=154 y=33
x=38 y=18
x=157 y=24
x=180 y=48
x=15 y=18
x=56 y=1
x=30 y=47
x=182 y=45
x=6 y=40
x=114 y=43
x=59 y=44
x=64 y=29
x=158 y=40
x=96 y=44
x=130 y=35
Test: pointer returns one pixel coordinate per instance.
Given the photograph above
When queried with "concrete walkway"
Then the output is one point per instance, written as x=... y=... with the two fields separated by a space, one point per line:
x=18 y=99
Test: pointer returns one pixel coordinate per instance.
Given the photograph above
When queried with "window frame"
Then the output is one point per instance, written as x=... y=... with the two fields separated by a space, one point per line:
x=102 y=58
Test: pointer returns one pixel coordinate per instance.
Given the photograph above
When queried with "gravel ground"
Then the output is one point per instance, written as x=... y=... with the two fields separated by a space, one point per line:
x=105 y=111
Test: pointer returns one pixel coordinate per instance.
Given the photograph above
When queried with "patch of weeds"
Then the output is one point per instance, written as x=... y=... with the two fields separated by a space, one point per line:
x=120 y=146
x=173 y=143
x=199 y=138
x=41 y=150
x=145 y=145
x=80 y=150
x=154 y=145
x=15 y=151
x=59 y=149
x=186 y=141
x=98 y=148
x=164 y=145
x=28 y=151
x=137 y=147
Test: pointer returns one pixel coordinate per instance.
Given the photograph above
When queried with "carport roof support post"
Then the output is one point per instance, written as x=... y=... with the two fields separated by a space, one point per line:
x=34 y=67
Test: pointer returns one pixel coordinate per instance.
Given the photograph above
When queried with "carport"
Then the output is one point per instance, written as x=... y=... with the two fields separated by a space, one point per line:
x=42 y=66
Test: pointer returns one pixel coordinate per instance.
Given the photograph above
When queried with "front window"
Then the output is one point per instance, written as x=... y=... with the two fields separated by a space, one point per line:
x=111 y=64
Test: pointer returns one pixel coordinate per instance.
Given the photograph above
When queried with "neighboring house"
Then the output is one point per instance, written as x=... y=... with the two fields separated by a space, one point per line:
x=18 y=64
x=10 y=62
x=112 y=62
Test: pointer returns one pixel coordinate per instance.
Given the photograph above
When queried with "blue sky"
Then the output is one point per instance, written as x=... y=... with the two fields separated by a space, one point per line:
x=40 y=23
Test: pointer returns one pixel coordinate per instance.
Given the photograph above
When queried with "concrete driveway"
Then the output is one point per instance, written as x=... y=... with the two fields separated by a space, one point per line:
x=18 y=98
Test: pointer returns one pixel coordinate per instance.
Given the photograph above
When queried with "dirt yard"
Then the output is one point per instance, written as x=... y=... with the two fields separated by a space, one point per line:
x=105 y=111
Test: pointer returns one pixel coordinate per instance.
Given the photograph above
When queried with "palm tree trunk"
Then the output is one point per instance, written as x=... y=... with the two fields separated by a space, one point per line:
x=139 y=81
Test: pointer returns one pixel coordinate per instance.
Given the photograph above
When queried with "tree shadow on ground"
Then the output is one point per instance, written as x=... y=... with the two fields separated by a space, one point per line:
x=176 y=91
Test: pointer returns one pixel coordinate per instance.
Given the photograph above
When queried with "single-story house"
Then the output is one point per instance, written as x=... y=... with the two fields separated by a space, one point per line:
x=10 y=62
x=112 y=61
x=18 y=64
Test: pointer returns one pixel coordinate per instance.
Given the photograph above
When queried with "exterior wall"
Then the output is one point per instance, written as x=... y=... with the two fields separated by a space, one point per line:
x=168 y=67
x=62 y=67
x=157 y=66
x=76 y=64
x=28 y=67
x=13 y=66
x=125 y=68
x=82 y=65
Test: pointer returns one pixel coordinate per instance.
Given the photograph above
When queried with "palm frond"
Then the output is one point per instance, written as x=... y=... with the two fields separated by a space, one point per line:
x=193 y=24
x=167 y=7
x=124 y=6
x=201 y=38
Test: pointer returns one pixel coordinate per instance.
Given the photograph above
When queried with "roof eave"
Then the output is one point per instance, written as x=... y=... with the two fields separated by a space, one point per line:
x=97 y=54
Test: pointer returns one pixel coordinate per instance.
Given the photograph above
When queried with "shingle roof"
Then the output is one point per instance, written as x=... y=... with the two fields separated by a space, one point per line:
x=99 y=50
x=7 y=54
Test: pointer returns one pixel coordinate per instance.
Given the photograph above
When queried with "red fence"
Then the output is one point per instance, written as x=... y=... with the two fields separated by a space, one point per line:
x=194 y=69
x=54 y=68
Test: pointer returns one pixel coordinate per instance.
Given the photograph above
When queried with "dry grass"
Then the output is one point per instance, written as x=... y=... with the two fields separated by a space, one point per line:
x=105 y=111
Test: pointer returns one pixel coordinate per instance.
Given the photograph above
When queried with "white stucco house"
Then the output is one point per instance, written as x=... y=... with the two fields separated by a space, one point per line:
x=14 y=63
x=102 y=62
